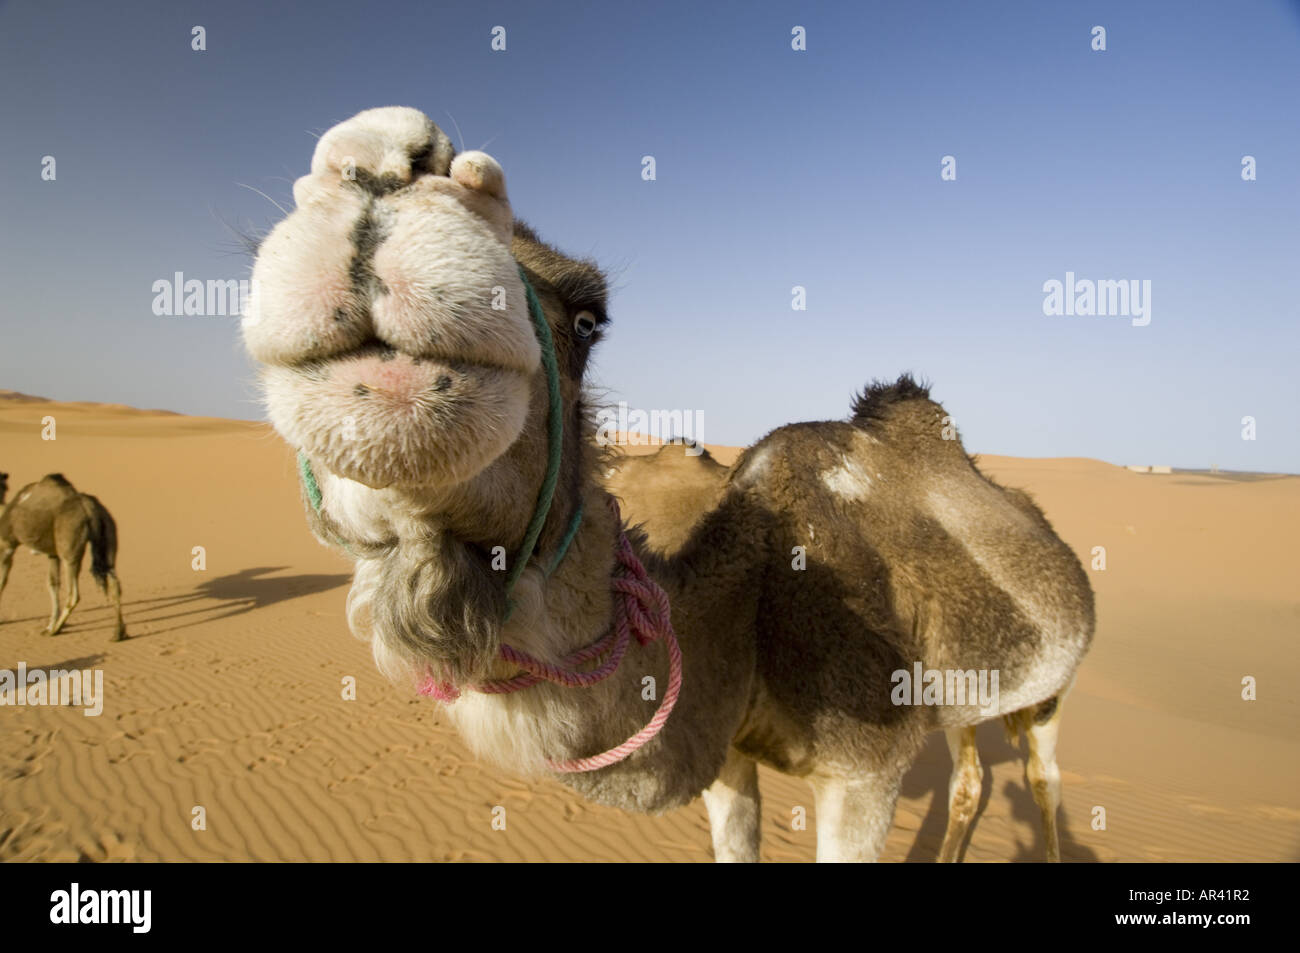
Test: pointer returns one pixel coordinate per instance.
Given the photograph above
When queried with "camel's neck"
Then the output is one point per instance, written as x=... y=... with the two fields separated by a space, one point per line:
x=713 y=586
x=433 y=599
x=722 y=559
x=562 y=601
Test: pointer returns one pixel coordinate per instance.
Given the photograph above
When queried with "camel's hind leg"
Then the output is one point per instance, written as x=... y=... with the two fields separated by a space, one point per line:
x=853 y=817
x=733 y=805
x=52 y=581
x=963 y=790
x=1041 y=728
x=114 y=590
x=71 y=569
x=6 y=561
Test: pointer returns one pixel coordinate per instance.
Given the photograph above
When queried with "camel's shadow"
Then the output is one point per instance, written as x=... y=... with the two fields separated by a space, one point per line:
x=930 y=773
x=67 y=665
x=236 y=593
x=243 y=591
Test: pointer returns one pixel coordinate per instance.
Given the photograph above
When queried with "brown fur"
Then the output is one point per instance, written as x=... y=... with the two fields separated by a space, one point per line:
x=666 y=492
x=51 y=517
x=909 y=556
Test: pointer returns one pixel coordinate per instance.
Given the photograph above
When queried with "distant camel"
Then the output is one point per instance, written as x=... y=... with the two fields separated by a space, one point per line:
x=51 y=517
x=667 y=492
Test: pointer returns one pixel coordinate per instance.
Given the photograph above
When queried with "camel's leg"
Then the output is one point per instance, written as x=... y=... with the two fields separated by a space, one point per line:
x=963 y=790
x=853 y=817
x=53 y=583
x=114 y=590
x=1044 y=776
x=71 y=569
x=733 y=805
x=6 y=561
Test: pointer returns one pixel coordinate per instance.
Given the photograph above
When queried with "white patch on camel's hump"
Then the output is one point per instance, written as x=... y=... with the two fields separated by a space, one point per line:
x=754 y=468
x=848 y=480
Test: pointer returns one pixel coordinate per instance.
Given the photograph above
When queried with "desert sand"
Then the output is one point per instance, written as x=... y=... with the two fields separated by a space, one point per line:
x=230 y=694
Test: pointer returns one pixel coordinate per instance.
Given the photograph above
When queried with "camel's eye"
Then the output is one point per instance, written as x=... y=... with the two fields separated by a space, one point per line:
x=584 y=324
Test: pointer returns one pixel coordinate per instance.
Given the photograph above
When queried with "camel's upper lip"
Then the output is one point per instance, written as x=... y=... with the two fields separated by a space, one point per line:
x=370 y=347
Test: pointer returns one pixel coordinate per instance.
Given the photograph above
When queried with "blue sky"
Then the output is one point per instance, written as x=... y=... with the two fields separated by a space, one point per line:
x=775 y=168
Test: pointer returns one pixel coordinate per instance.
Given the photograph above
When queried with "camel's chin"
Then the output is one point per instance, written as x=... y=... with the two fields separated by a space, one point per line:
x=393 y=420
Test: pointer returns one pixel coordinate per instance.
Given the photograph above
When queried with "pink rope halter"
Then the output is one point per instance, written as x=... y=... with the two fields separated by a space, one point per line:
x=640 y=609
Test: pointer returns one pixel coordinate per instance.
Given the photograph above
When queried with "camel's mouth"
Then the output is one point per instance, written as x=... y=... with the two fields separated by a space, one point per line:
x=383 y=417
x=387 y=311
x=401 y=378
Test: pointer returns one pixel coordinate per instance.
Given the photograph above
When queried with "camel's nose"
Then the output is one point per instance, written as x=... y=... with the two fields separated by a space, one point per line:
x=394 y=239
x=382 y=150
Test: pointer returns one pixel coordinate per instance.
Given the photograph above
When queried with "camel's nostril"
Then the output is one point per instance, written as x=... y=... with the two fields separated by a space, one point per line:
x=420 y=158
x=442 y=384
x=383 y=184
x=361 y=390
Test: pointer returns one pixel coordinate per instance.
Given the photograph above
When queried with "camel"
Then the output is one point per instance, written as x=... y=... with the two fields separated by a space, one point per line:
x=51 y=517
x=424 y=354
x=666 y=492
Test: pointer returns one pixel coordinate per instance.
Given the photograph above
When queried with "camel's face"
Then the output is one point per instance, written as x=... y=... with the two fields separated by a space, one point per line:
x=387 y=310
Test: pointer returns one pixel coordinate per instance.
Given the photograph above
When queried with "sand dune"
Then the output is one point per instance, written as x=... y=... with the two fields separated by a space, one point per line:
x=229 y=696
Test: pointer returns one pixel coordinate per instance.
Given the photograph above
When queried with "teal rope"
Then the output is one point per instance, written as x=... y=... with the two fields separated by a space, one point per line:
x=313 y=492
x=555 y=439
x=309 y=481
x=554 y=434
x=572 y=531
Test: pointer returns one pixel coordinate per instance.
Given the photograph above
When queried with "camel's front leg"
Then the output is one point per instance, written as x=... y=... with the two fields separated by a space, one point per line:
x=733 y=805
x=853 y=817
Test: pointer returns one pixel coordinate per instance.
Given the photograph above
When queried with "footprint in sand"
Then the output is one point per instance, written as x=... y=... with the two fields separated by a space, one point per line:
x=108 y=847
